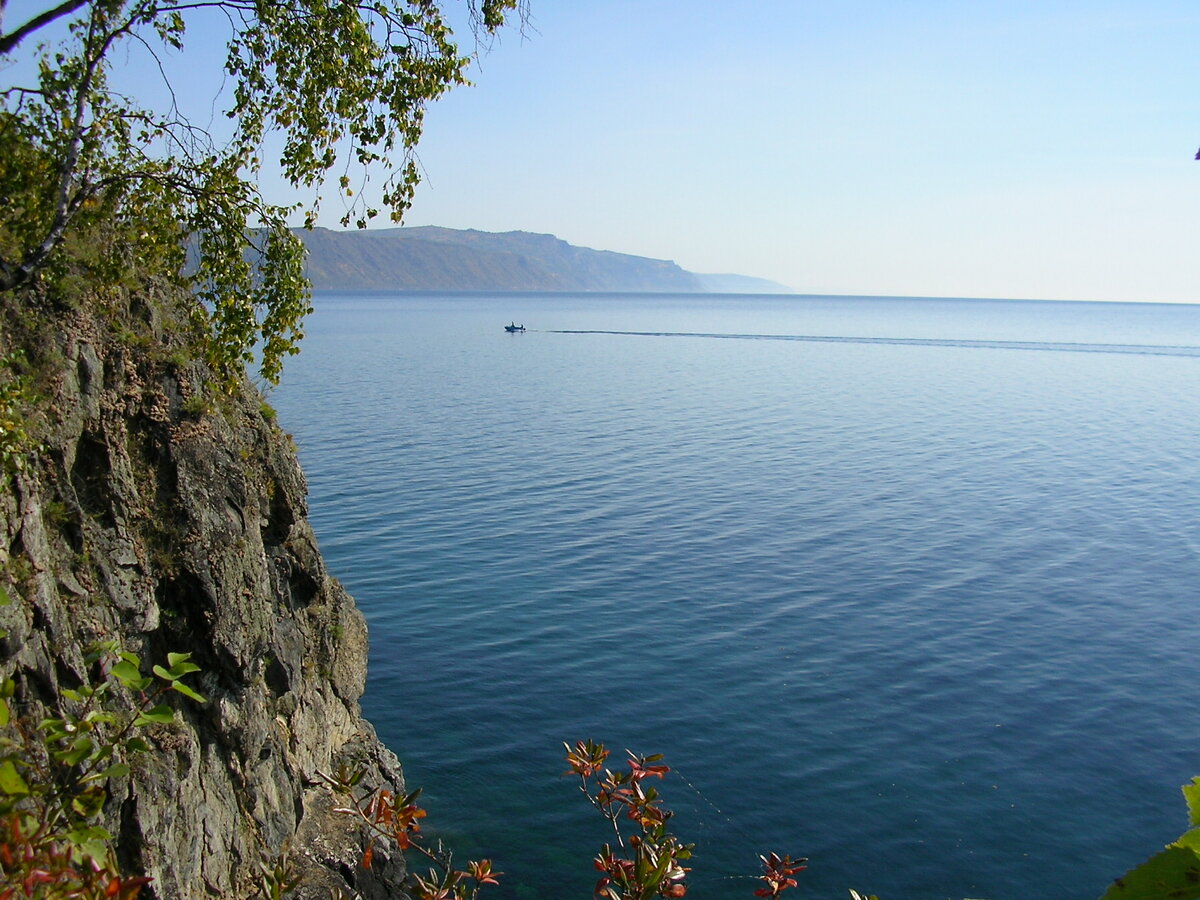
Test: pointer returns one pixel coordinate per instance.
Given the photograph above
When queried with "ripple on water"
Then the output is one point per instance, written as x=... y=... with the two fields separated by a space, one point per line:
x=922 y=609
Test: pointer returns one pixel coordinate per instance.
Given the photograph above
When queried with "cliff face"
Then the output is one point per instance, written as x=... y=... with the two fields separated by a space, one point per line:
x=173 y=518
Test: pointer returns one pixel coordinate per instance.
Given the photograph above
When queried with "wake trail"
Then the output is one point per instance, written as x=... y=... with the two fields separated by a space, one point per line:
x=1051 y=346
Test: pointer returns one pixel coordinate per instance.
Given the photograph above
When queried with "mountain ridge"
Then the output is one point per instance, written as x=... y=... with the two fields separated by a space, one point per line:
x=431 y=257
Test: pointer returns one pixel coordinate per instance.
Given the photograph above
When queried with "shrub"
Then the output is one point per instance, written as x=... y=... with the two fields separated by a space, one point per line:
x=55 y=772
x=654 y=866
x=397 y=819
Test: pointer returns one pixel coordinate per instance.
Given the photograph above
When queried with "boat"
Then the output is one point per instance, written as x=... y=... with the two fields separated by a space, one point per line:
x=513 y=328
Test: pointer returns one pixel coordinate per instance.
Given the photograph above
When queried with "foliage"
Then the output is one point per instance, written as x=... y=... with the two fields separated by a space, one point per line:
x=54 y=775
x=397 y=818
x=276 y=879
x=655 y=868
x=16 y=441
x=341 y=83
x=1173 y=873
x=777 y=873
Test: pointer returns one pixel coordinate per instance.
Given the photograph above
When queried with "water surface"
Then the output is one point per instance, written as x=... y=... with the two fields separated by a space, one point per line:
x=904 y=586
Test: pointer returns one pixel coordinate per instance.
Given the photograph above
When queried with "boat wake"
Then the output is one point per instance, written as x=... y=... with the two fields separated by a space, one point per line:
x=1054 y=346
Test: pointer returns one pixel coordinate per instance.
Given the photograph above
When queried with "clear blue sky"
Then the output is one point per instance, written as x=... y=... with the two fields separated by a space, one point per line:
x=969 y=148
x=973 y=148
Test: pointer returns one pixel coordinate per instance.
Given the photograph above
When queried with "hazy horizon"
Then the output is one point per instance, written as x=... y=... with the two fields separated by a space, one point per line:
x=1019 y=150
x=750 y=275
x=1031 y=151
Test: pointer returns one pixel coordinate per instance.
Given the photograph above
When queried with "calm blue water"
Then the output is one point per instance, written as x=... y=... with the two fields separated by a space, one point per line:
x=905 y=586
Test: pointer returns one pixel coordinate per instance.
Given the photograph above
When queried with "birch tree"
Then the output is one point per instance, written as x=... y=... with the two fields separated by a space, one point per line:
x=333 y=86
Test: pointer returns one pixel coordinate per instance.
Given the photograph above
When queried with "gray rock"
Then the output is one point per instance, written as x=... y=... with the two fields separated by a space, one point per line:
x=176 y=531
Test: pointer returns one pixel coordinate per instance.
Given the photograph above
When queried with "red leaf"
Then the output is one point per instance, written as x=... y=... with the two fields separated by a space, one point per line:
x=131 y=887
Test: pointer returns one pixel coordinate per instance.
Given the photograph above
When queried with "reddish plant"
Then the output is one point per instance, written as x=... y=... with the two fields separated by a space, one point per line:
x=35 y=865
x=397 y=818
x=654 y=867
x=54 y=775
x=777 y=873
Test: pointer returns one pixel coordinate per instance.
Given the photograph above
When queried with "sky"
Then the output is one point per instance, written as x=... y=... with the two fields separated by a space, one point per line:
x=1000 y=149
x=970 y=148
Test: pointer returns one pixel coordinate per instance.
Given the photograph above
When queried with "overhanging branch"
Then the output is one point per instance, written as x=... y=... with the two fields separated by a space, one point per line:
x=9 y=41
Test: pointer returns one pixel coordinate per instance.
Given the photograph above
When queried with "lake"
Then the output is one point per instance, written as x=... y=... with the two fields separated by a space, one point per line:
x=905 y=586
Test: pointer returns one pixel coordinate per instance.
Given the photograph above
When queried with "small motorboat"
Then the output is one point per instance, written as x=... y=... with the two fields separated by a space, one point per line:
x=513 y=328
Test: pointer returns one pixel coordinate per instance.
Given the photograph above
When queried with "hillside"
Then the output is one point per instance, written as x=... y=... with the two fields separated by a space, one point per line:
x=446 y=259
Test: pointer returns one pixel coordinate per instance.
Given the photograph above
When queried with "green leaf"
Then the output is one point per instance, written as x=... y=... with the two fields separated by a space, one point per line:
x=80 y=750
x=1191 y=793
x=660 y=871
x=179 y=667
x=56 y=729
x=126 y=671
x=409 y=799
x=98 y=650
x=136 y=745
x=5 y=600
x=129 y=675
x=5 y=715
x=1173 y=873
x=89 y=801
x=11 y=781
x=1189 y=839
x=187 y=691
x=78 y=836
x=159 y=715
x=92 y=842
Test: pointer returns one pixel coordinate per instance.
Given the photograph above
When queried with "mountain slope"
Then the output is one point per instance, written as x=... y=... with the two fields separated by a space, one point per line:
x=446 y=259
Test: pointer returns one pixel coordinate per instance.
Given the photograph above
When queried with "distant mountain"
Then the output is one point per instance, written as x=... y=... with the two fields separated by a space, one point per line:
x=741 y=284
x=446 y=259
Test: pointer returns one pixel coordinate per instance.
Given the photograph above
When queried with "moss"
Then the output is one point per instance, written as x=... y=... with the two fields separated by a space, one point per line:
x=17 y=570
x=178 y=358
x=56 y=513
x=197 y=406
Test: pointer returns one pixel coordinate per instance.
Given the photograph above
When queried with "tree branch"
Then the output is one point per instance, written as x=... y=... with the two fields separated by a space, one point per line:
x=9 y=41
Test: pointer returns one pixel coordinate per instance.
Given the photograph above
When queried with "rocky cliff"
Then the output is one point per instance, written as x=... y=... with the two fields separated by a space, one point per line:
x=170 y=516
